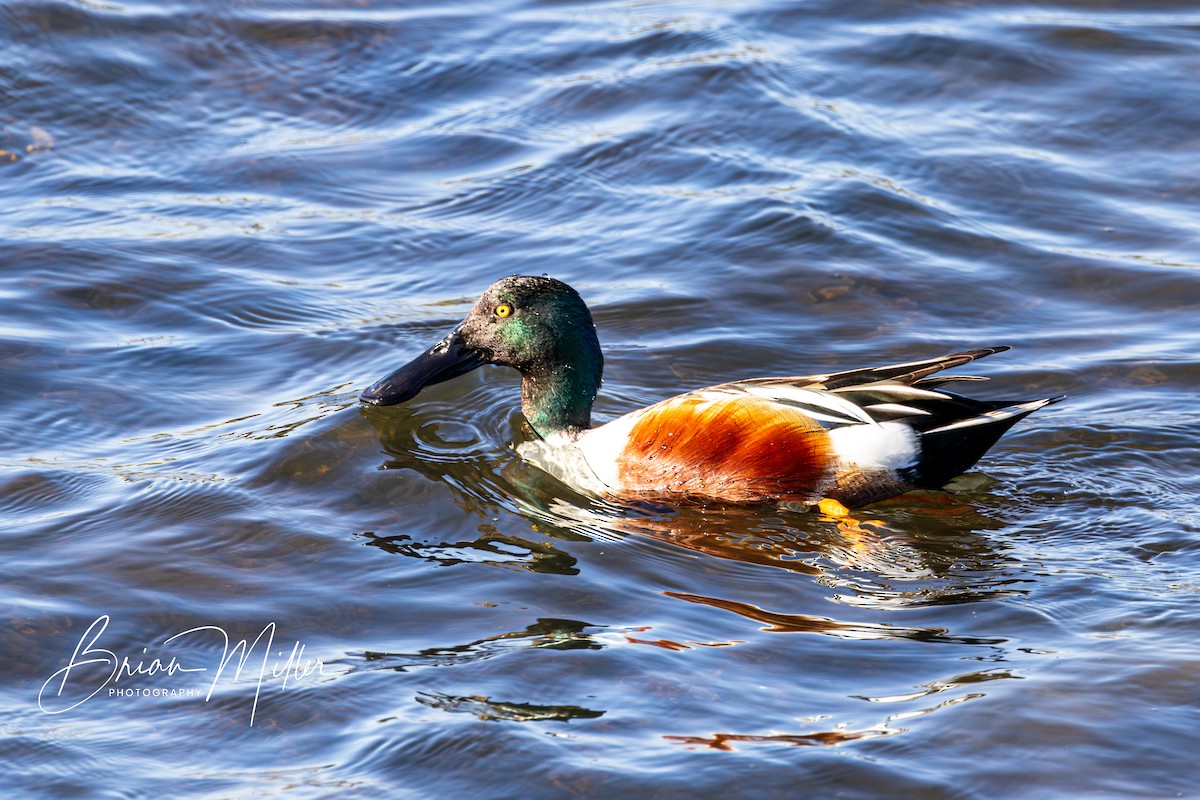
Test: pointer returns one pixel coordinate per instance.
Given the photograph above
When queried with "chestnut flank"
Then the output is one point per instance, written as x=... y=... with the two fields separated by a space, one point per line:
x=737 y=449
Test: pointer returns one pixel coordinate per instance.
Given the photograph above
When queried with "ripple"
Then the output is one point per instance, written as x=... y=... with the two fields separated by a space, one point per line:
x=221 y=221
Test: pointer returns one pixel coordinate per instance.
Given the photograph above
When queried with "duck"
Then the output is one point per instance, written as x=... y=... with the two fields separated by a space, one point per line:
x=850 y=438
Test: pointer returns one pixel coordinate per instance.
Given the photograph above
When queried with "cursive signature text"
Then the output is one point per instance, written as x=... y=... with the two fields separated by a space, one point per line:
x=93 y=668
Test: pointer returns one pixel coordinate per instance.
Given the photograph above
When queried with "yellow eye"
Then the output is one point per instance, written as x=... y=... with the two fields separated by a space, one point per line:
x=503 y=310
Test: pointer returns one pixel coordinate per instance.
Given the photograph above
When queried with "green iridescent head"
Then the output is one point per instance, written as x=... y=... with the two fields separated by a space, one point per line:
x=539 y=326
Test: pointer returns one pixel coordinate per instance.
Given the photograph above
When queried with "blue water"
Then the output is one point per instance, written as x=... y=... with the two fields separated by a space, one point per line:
x=219 y=221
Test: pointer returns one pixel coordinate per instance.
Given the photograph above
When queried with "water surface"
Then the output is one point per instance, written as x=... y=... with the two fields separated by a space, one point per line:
x=220 y=221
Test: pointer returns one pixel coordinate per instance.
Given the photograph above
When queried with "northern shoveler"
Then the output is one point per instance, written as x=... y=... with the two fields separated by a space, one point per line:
x=855 y=437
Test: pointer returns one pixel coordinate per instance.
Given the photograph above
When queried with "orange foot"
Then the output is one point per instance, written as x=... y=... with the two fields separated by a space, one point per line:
x=861 y=538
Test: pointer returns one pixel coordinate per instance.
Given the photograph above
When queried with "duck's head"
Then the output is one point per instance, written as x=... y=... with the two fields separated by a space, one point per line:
x=539 y=326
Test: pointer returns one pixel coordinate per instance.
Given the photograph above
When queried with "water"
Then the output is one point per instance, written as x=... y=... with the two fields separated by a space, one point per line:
x=220 y=221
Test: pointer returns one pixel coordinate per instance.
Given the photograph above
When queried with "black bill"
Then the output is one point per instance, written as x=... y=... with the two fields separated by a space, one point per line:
x=447 y=359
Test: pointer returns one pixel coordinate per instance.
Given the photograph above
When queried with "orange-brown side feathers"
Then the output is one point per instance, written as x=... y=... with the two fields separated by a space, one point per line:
x=737 y=449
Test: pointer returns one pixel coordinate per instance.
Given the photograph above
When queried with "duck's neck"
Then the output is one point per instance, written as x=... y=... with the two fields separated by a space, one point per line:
x=557 y=398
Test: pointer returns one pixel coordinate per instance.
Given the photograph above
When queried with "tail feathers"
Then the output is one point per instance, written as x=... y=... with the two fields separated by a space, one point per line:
x=912 y=373
x=933 y=383
x=953 y=448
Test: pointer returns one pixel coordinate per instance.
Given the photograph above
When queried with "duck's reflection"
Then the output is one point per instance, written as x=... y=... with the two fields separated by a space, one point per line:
x=930 y=552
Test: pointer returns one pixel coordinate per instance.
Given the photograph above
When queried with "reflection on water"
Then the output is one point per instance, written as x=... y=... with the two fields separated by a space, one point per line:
x=220 y=221
x=935 y=687
x=487 y=709
x=491 y=548
x=804 y=623
x=868 y=563
x=553 y=634
x=726 y=741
